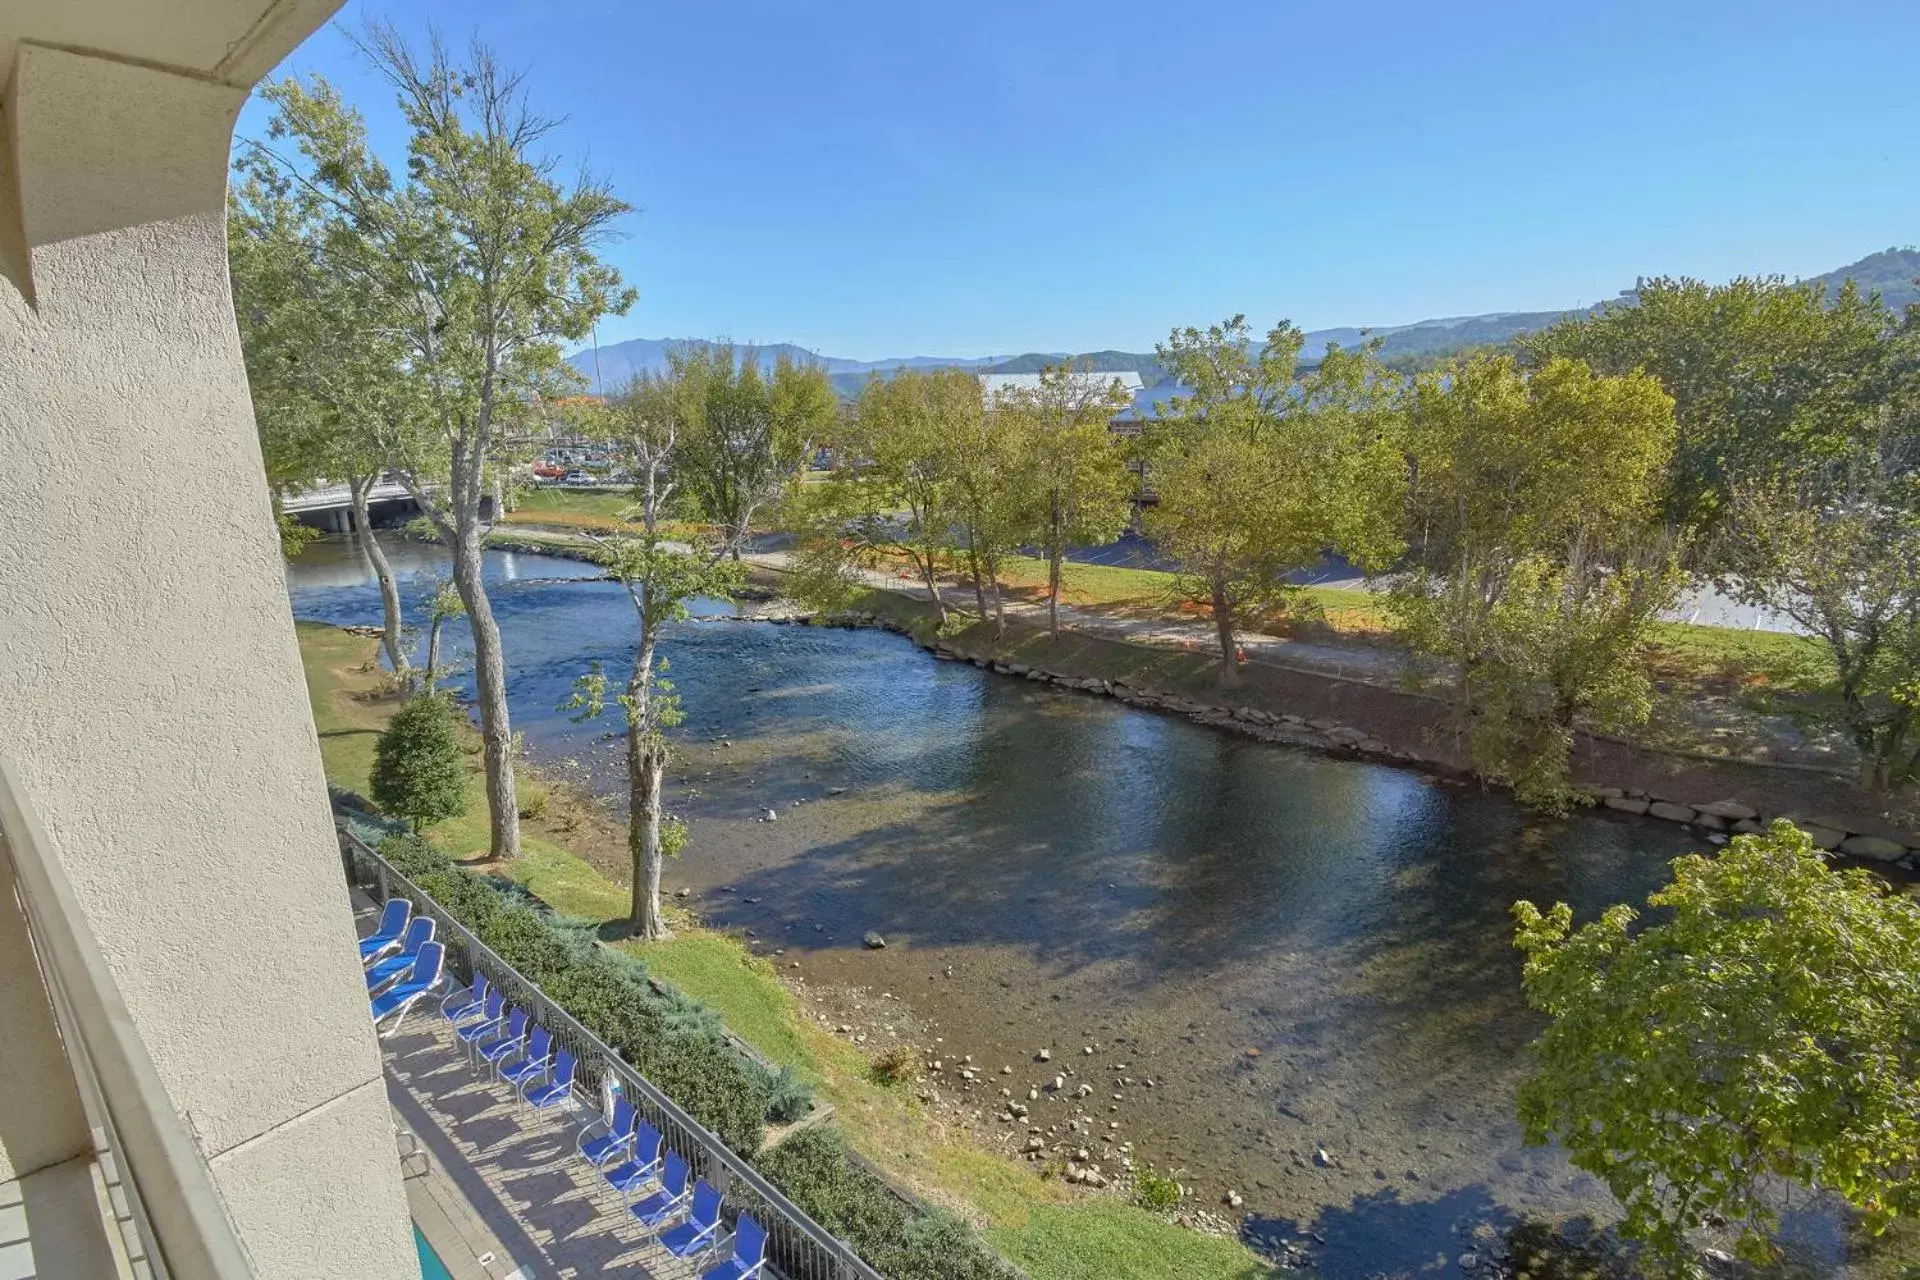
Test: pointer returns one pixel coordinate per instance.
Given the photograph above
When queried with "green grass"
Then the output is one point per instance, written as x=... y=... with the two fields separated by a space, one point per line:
x=558 y=501
x=1052 y=1232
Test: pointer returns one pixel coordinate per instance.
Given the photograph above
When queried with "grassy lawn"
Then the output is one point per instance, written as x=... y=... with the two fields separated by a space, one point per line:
x=1052 y=1232
x=575 y=509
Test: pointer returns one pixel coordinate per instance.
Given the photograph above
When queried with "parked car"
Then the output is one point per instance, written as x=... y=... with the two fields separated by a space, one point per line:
x=578 y=477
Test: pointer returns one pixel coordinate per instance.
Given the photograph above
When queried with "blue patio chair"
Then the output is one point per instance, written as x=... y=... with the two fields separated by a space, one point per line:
x=386 y=935
x=503 y=1046
x=670 y=1201
x=474 y=1030
x=532 y=1064
x=644 y=1165
x=419 y=933
x=696 y=1235
x=403 y=995
x=749 y=1253
x=466 y=1002
x=616 y=1142
x=558 y=1089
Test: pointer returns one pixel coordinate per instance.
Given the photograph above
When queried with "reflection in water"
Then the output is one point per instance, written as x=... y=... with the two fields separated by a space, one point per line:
x=1301 y=952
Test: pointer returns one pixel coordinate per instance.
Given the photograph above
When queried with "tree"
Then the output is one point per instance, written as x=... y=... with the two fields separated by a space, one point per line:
x=660 y=579
x=417 y=770
x=1081 y=490
x=1538 y=562
x=1259 y=474
x=1765 y=1031
x=443 y=608
x=1761 y=372
x=490 y=263
x=325 y=369
x=1835 y=546
x=745 y=434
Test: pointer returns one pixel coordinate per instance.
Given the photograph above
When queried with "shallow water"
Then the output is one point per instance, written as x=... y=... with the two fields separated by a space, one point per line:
x=1301 y=953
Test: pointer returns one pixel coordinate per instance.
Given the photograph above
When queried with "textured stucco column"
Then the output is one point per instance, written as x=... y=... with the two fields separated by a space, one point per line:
x=153 y=705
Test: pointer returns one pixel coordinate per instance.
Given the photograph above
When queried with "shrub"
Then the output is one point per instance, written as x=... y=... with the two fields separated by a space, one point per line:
x=417 y=771
x=896 y=1064
x=788 y=1096
x=1155 y=1191
x=897 y=1239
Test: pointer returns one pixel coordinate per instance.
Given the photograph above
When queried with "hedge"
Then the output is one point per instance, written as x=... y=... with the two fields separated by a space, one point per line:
x=896 y=1239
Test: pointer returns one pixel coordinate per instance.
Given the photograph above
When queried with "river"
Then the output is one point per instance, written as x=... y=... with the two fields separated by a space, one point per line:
x=1302 y=954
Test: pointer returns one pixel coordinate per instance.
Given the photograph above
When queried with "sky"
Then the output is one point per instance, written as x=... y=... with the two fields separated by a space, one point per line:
x=875 y=179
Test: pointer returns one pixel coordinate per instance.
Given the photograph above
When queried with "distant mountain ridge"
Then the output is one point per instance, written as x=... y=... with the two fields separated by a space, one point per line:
x=1891 y=272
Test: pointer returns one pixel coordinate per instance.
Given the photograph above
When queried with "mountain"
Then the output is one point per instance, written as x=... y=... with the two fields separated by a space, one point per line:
x=1891 y=272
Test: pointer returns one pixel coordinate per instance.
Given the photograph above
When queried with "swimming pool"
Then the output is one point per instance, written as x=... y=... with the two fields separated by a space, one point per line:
x=431 y=1268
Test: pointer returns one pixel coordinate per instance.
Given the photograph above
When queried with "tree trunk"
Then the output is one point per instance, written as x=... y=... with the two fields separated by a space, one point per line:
x=646 y=767
x=933 y=588
x=1056 y=551
x=1223 y=627
x=433 y=652
x=390 y=621
x=490 y=683
x=999 y=599
x=979 y=583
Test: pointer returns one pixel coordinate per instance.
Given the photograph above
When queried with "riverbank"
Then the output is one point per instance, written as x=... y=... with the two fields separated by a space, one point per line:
x=1053 y=1231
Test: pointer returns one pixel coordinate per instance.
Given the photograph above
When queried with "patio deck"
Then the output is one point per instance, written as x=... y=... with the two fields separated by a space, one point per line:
x=516 y=1169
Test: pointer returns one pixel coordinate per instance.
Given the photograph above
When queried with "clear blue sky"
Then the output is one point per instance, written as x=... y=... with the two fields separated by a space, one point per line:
x=876 y=179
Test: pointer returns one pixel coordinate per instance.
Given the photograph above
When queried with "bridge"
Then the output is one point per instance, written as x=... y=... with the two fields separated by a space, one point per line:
x=330 y=507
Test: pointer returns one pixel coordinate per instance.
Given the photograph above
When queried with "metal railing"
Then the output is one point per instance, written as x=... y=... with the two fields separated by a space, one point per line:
x=798 y=1248
x=176 y=1208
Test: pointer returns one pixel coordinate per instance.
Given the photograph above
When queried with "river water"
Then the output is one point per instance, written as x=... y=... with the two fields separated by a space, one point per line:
x=1304 y=955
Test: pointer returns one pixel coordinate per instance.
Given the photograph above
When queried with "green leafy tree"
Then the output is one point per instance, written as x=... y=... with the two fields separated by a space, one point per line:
x=443 y=608
x=1835 y=545
x=898 y=498
x=1072 y=466
x=1762 y=372
x=661 y=579
x=1537 y=559
x=490 y=263
x=745 y=434
x=1259 y=472
x=418 y=773
x=1764 y=1031
x=331 y=395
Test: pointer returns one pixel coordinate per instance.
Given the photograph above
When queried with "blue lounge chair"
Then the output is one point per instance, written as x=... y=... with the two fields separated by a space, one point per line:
x=616 y=1142
x=419 y=933
x=698 y=1233
x=749 y=1253
x=632 y=1174
x=484 y=1027
x=385 y=937
x=420 y=980
x=467 y=1002
x=503 y=1046
x=558 y=1089
x=670 y=1201
x=534 y=1063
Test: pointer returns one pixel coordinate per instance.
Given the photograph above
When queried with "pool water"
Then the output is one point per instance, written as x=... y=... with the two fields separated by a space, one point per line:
x=431 y=1268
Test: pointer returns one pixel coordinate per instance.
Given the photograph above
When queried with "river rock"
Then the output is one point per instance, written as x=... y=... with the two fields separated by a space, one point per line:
x=1748 y=827
x=1670 y=811
x=874 y=941
x=1625 y=804
x=1823 y=837
x=1731 y=810
x=770 y=815
x=1873 y=848
x=1710 y=821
